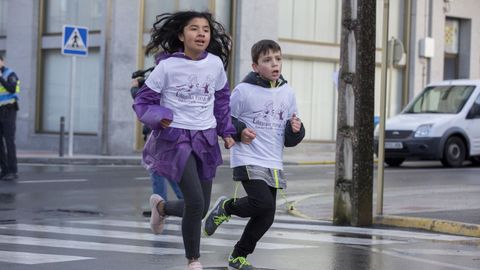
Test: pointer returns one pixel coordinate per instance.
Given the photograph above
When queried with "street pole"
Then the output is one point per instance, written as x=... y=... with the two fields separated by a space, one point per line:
x=381 y=128
x=72 y=98
x=353 y=191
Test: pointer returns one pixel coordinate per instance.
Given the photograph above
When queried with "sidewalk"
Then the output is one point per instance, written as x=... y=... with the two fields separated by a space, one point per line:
x=314 y=206
x=305 y=153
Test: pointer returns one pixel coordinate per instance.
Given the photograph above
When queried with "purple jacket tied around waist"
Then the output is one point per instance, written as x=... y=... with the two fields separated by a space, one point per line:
x=167 y=149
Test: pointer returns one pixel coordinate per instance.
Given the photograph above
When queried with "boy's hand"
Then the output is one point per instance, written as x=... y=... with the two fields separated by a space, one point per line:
x=296 y=123
x=229 y=142
x=165 y=123
x=247 y=135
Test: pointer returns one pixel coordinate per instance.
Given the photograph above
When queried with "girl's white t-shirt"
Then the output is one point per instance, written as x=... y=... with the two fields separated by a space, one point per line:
x=187 y=87
x=265 y=110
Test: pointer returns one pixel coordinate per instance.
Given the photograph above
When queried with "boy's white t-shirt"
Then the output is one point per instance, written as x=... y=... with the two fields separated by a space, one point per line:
x=187 y=87
x=265 y=110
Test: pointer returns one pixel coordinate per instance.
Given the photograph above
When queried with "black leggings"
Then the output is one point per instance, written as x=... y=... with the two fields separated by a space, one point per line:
x=259 y=205
x=192 y=208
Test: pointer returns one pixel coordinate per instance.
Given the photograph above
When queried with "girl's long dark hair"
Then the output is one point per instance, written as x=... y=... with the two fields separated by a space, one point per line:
x=167 y=28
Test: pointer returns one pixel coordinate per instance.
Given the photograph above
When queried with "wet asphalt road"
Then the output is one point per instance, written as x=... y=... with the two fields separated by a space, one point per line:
x=87 y=217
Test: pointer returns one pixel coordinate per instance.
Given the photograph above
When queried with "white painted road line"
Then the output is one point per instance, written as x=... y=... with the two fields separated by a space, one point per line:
x=442 y=252
x=404 y=257
x=51 y=181
x=36 y=258
x=307 y=228
x=142 y=178
x=276 y=234
x=139 y=236
x=72 y=244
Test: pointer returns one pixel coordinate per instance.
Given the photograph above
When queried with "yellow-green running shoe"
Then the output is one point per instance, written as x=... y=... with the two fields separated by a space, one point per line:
x=239 y=263
x=217 y=216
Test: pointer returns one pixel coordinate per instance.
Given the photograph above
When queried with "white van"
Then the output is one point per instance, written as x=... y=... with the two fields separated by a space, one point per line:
x=441 y=123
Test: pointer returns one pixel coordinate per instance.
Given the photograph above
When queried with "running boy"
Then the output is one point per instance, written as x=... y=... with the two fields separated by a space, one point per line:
x=263 y=109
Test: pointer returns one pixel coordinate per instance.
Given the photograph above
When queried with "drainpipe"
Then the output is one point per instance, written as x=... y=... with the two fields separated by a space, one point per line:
x=407 y=38
x=106 y=78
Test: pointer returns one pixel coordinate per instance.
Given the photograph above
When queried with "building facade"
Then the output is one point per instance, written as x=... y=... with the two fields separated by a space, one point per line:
x=438 y=40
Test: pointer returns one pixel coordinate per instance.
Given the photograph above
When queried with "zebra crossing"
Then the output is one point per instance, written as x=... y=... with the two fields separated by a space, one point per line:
x=134 y=237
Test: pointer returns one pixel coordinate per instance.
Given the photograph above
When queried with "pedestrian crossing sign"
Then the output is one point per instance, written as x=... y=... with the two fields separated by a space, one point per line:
x=75 y=40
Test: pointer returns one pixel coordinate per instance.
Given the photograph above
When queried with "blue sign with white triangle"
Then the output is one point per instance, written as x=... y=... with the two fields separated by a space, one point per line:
x=75 y=40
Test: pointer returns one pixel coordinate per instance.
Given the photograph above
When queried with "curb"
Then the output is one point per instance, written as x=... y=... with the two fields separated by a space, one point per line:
x=79 y=161
x=434 y=225
x=112 y=160
x=327 y=162
x=291 y=209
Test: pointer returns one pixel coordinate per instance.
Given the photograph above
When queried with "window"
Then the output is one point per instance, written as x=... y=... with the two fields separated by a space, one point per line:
x=86 y=13
x=219 y=8
x=3 y=18
x=56 y=91
x=451 y=57
x=441 y=99
x=309 y=20
x=155 y=7
x=475 y=110
x=55 y=84
x=315 y=98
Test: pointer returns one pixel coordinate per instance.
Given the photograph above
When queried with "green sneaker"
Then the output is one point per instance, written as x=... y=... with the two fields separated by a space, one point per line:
x=217 y=216
x=239 y=263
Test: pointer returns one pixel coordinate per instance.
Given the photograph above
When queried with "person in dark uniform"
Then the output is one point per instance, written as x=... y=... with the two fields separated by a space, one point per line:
x=9 y=89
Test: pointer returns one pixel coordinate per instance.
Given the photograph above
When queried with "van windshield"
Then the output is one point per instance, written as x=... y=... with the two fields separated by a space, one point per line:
x=441 y=99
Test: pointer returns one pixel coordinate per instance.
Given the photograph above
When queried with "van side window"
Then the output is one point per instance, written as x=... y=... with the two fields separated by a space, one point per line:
x=475 y=110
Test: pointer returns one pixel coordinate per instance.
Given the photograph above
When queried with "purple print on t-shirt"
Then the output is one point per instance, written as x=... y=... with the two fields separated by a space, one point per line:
x=194 y=92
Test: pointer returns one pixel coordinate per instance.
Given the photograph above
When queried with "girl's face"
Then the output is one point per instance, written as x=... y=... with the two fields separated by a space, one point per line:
x=195 y=37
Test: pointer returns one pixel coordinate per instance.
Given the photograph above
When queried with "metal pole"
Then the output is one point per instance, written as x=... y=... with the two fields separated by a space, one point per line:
x=72 y=96
x=383 y=90
x=62 y=132
x=388 y=103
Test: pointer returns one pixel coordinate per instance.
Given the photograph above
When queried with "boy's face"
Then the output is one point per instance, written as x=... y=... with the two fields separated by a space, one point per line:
x=269 y=65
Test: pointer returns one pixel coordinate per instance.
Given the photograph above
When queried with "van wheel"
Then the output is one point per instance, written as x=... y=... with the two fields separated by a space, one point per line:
x=454 y=152
x=394 y=162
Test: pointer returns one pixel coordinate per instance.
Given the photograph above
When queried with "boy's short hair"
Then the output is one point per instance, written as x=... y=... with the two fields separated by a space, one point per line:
x=262 y=47
x=1 y=57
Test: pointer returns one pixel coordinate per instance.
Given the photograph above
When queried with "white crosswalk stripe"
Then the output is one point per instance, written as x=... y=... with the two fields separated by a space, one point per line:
x=274 y=233
x=36 y=258
x=113 y=235
x=47 y=236
x=137 y=236
x=292 y=224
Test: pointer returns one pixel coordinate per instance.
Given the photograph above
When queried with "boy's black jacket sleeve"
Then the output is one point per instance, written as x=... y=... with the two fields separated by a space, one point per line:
x=239 y=126
x=292 y=139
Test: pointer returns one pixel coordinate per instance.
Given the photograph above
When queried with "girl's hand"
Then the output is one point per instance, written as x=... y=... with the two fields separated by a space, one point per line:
x=134 y=83
x=229 y=142
x=165 y=123
x=247 y=135
x=296 y=123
